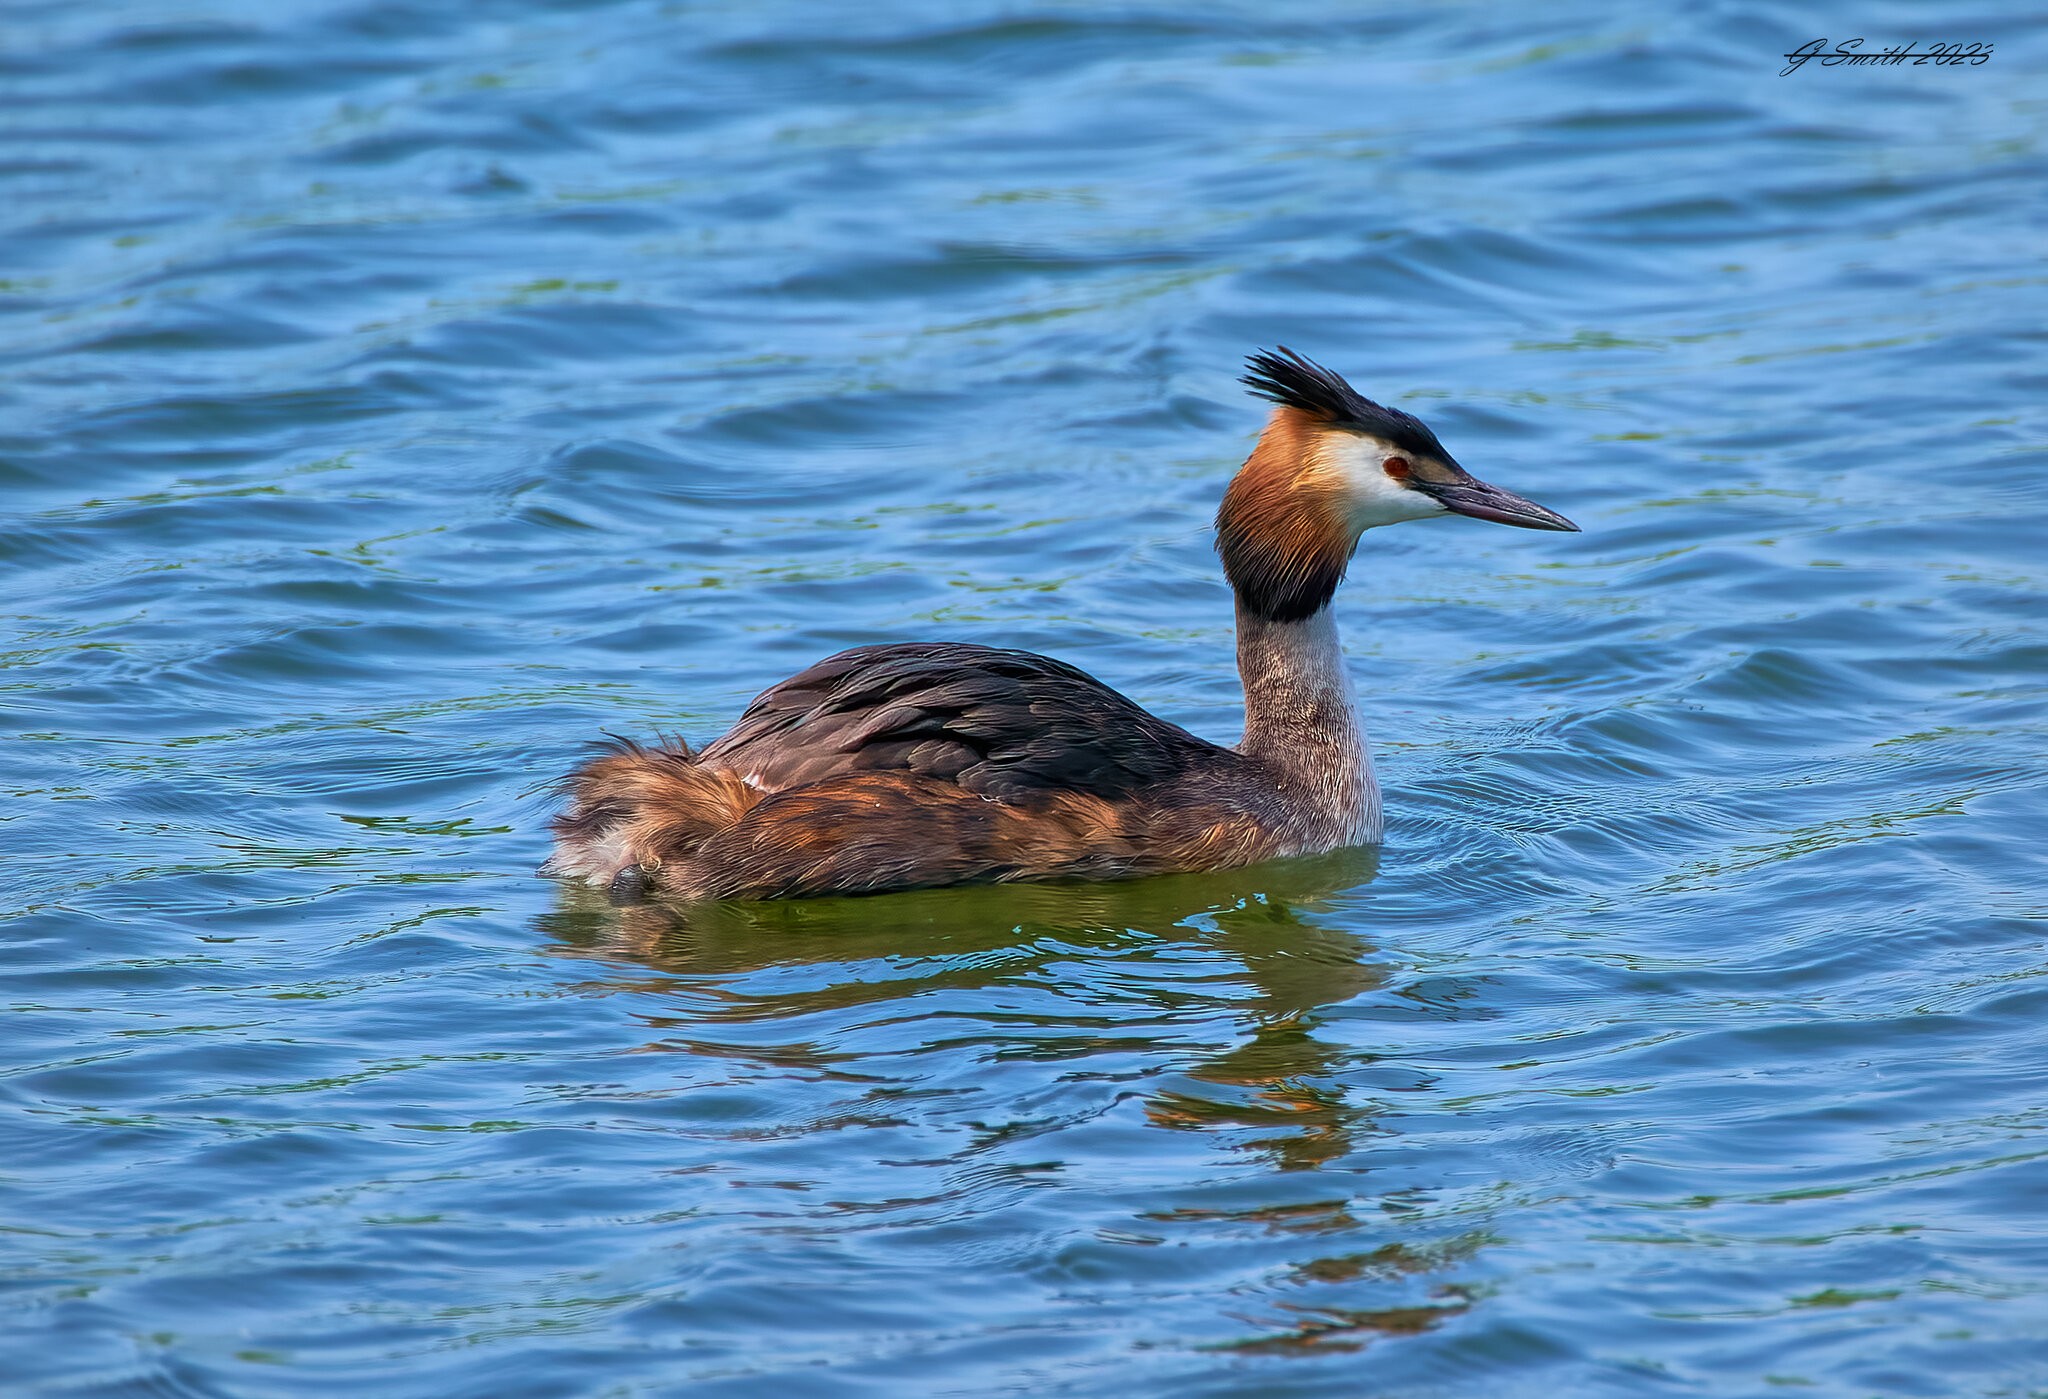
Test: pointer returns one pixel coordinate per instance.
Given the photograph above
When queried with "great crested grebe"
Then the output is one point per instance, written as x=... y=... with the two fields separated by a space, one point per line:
x=939 y=762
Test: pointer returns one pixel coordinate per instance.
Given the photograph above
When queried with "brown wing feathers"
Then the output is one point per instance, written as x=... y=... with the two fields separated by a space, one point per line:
x=884 y=767
x=867 y=832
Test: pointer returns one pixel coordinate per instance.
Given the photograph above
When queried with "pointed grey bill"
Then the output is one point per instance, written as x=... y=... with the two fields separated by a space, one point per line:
x=1484 y=502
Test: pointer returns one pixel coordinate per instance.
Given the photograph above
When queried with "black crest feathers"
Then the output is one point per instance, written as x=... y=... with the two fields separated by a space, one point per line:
x=1295 y=381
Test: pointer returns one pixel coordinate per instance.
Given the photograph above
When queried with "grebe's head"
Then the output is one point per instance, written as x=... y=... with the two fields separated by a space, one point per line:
x=1330 y=465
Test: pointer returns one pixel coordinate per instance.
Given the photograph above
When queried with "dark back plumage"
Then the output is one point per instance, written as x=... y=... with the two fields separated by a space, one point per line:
x=1295 y=381
x=902 y=766
x=1004 y=724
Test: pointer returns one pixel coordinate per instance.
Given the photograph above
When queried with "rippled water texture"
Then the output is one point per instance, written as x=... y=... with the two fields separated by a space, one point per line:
x=398 y=393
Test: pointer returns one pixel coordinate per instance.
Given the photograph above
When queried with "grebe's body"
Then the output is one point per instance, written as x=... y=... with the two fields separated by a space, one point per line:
x=900 y=766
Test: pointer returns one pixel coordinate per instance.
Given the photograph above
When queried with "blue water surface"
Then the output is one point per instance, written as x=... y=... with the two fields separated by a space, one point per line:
x=396 y=394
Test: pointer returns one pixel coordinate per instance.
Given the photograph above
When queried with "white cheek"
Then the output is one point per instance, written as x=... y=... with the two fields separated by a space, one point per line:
x=1374 y=497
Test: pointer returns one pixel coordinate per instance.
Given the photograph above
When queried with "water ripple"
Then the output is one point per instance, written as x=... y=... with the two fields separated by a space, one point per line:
x=399 y=395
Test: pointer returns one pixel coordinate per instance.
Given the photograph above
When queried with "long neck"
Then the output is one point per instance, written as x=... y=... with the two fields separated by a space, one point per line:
x=1301 y=725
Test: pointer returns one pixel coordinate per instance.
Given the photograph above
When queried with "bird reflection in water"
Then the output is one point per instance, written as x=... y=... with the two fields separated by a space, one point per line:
x=1151 y=967
x=1263 y=919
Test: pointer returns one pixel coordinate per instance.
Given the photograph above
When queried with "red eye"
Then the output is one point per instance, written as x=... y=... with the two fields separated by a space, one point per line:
x=1396 y=467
